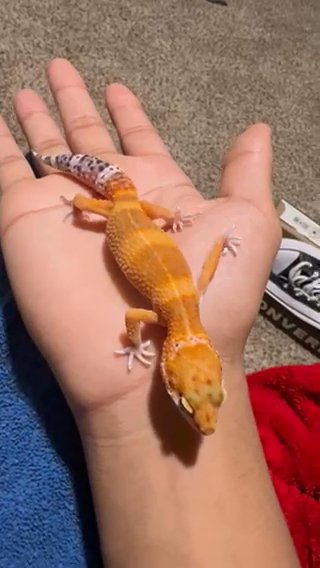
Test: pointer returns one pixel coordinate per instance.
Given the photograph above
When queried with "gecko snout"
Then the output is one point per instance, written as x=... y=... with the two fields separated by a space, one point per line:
x=193 y=379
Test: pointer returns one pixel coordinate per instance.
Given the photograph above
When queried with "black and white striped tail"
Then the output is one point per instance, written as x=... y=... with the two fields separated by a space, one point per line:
x=89 y=169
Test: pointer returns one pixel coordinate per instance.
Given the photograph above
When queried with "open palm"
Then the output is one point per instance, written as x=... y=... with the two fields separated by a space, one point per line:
x=71 y=294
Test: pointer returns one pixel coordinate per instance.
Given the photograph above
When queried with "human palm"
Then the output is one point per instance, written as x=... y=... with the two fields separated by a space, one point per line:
x=71 y=294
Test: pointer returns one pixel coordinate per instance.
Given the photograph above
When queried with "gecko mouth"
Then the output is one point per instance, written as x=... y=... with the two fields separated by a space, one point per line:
x=180 y=401
x=185 y=409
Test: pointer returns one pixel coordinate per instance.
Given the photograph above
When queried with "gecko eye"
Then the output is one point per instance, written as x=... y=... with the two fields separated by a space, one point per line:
x=185 y=405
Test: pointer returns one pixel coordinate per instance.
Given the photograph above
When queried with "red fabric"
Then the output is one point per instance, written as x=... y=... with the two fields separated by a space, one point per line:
x=286 y=405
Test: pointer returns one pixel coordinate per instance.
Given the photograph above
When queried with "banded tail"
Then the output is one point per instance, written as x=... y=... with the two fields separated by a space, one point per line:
x=91 y=170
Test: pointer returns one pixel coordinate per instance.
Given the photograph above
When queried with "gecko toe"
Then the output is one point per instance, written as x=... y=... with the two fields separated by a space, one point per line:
x=231 y=242
x=139 y=352
x=180 y=221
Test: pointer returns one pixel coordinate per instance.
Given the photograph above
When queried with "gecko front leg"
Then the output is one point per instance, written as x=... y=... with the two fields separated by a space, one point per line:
x=220 y=248
x=138 y=349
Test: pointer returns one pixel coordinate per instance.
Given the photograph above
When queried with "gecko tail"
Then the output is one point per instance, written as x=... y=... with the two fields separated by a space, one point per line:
x=49 y=160
x=93 y=171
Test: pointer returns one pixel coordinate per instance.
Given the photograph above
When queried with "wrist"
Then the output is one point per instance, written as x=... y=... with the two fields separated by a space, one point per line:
x=142 y=444
x=146 y=461
x=166 y=496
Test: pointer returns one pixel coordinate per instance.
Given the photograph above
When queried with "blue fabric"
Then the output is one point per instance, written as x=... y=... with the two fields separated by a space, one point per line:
x=46 y=513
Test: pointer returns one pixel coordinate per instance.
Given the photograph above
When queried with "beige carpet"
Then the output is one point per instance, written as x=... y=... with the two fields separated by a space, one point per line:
x=203 y=72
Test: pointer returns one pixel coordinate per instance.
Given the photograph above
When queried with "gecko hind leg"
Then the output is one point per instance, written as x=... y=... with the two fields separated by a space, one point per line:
x=180 y=221
x=174 y=220
x=85 y=205
x=138 y=348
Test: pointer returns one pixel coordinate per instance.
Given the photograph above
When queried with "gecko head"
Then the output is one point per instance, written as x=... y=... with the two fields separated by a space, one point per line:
x=192 y=374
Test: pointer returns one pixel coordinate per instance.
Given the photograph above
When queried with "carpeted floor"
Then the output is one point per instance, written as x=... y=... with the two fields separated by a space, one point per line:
x=203 y=72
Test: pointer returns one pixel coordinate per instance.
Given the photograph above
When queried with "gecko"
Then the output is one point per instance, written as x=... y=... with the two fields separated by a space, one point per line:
x=151 y=261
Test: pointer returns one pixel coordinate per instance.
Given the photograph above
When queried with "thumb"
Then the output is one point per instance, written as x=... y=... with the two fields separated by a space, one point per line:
x=247 y=168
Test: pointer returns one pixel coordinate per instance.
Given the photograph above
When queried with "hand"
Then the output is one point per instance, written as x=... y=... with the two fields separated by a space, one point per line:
x=72 y=297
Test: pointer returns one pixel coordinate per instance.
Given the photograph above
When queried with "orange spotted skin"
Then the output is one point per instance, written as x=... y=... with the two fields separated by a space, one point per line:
x=152 y=262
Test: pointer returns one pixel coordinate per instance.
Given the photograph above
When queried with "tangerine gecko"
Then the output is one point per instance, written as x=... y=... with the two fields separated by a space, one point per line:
x=150 y=259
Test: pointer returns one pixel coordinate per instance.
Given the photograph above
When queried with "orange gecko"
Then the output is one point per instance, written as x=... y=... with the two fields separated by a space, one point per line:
x=152 y=262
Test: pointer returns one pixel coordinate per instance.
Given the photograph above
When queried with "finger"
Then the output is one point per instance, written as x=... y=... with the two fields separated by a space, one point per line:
x=136 y=133
x=41 y=131
x=247 y=167
x=14 y=168
x=84 y=128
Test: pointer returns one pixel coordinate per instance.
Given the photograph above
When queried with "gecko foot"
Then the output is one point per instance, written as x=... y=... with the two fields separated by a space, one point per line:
x=139 y=352
x=67 y=202
x=231 y=242
x=74 y=211
x=180 y=221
